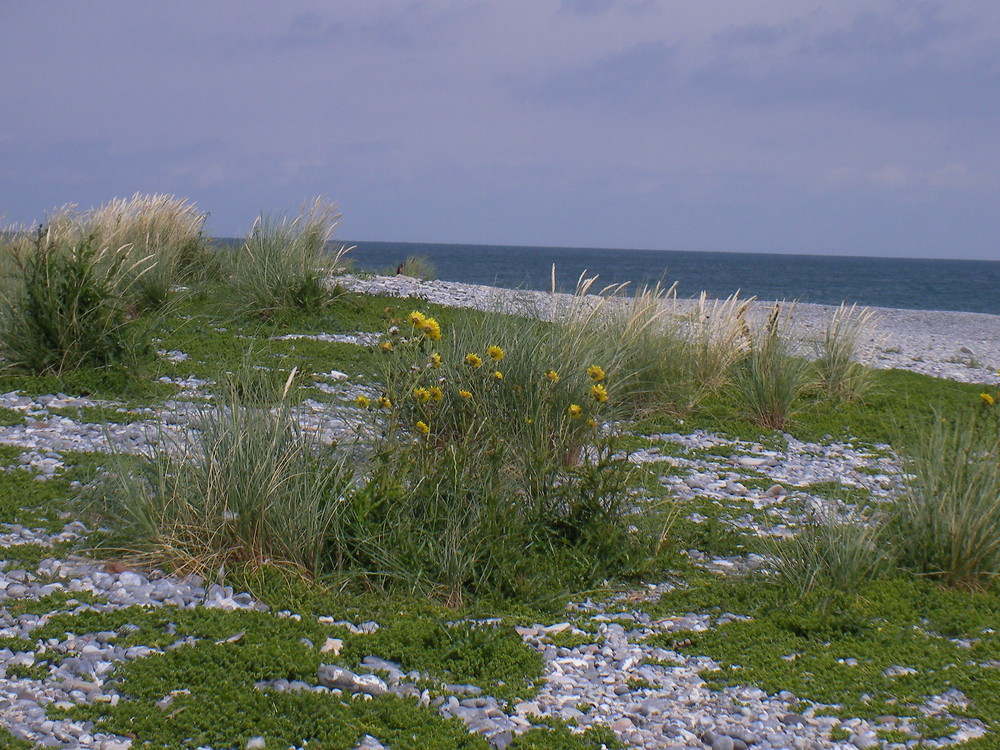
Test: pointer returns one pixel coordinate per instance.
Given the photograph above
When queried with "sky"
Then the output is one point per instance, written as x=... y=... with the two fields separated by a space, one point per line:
x=855 y=127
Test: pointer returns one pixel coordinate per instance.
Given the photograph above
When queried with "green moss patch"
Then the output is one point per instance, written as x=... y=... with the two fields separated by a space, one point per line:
x=884 y=650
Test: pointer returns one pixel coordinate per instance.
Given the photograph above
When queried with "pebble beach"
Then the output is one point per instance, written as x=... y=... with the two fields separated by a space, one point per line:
x=651 y=697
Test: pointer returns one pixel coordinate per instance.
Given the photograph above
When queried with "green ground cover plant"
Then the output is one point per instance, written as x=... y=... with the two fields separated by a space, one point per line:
x=221 y=674
x=807 y=645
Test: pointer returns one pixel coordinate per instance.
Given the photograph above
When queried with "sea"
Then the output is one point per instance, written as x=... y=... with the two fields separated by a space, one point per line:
x=908 y=283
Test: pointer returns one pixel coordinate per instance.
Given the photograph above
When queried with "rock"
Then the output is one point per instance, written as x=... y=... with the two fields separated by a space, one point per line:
x=332 y=676
x=332 y=646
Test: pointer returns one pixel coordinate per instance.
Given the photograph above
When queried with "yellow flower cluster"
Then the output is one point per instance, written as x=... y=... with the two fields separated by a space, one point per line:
x=362 y=402
x=552 y=376
x=385 y=403
x=435 y=360
x=987 y=399
x=426 y=325
x=596 y=373
x=422 y=428
x=495 y=353
x=599 y=392
x=473 y=360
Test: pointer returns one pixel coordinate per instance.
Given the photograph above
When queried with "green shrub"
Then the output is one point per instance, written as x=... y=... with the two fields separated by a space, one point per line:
x=284 y=264
x=490 y=472
x=68 y=308
x=947 y=521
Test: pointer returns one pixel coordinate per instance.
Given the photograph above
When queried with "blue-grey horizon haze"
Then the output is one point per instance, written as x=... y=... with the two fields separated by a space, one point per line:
x=862 y=127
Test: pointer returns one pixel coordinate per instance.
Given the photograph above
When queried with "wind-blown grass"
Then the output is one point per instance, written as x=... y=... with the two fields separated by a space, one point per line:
x=841 y=376
x=831 y=552
x=284 y=263
x=156 y=240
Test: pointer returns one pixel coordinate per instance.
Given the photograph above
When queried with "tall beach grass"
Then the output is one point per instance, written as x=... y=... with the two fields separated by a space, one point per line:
x=285 y=263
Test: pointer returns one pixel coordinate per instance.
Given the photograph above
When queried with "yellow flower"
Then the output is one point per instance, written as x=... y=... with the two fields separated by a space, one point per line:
x=386 y=346
x=465 y=394
x=385 y=403
x=592 y=423
x=495 y=353
x=473 y=360
x=574 y=410
x=498 y=375
x=552 y=375
x=416 y=319
x=599 y=393
x=362 y=402
x=422 y=428
x=529 y=420
x=422 y=395
x=435 y=360
x=987 y=399
x=596 y=373
x=431 y=328
x=436 y=393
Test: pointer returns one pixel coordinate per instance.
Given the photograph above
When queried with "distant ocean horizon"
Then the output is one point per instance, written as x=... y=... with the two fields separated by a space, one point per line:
x=908 y=283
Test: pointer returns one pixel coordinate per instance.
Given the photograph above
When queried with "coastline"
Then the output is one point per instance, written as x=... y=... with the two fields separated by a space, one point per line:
x=960 y=346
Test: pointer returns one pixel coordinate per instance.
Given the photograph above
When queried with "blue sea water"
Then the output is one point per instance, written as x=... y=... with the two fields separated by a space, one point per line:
x=920 y=284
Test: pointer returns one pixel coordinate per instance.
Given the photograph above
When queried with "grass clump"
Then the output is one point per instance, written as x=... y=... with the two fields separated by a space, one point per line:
x=248 y=488
x=831 y=553
x=948 y=518
x=161 y=234
x=417 y=267
x=772 y=377
x=841 y=376
x=284 y=264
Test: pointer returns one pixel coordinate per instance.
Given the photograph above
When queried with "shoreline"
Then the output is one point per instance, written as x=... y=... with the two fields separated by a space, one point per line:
x=960 y=346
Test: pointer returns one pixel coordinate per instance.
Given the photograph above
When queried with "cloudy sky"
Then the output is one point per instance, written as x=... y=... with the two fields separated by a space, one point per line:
x=862 y=127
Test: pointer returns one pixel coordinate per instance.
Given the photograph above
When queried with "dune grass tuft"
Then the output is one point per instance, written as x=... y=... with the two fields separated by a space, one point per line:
x=772 y=376
x=947 y=520
x=285 y=263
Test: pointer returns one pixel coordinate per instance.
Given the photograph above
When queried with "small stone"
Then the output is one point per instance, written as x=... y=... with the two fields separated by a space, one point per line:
x=332 y=646
x=256 y=743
